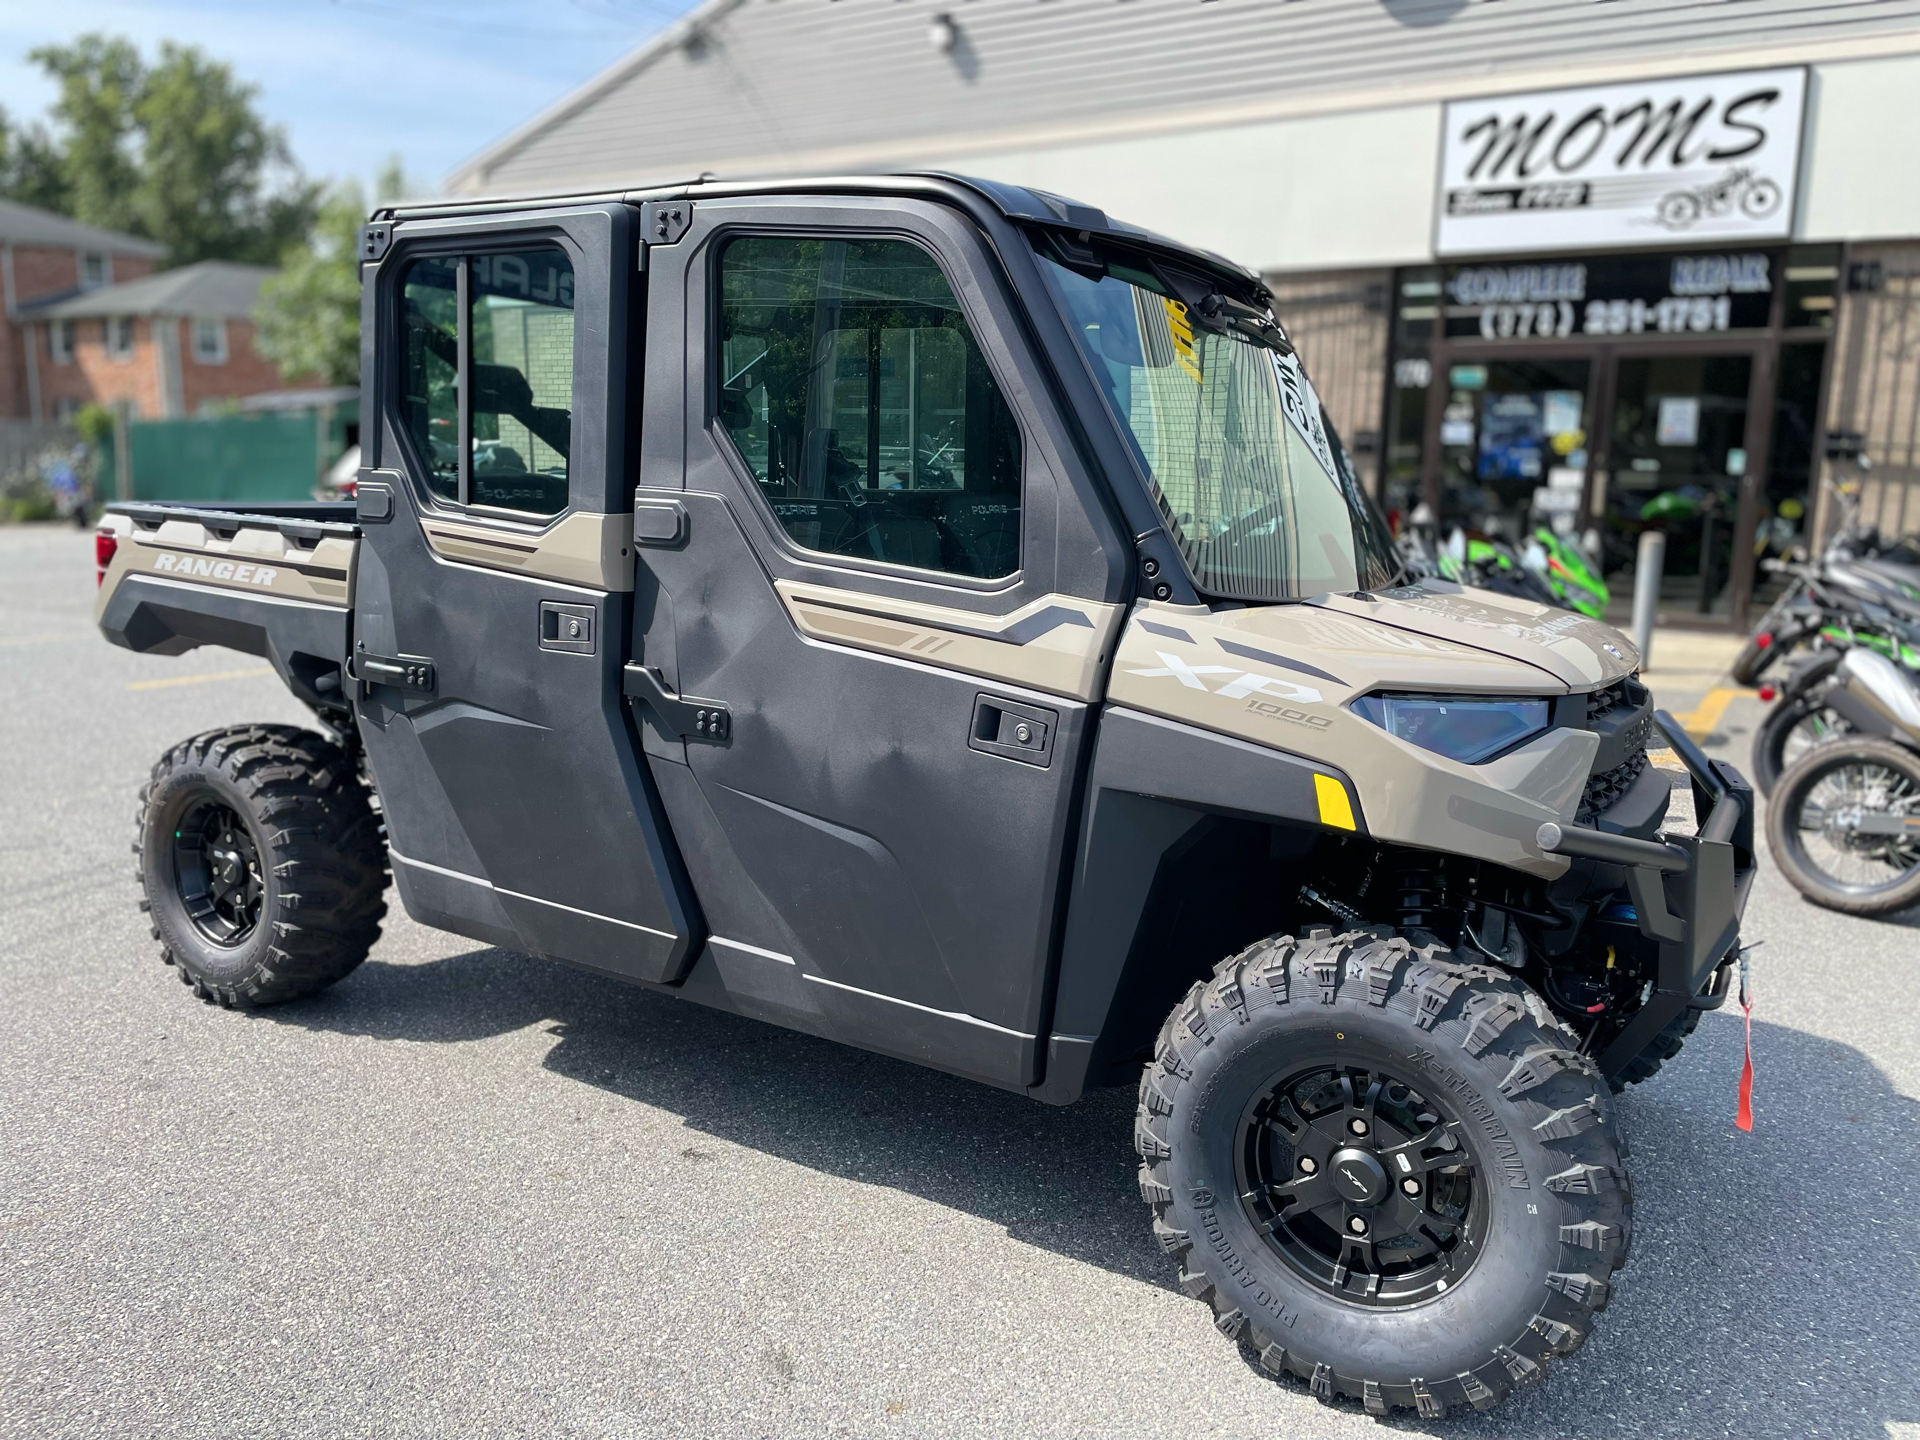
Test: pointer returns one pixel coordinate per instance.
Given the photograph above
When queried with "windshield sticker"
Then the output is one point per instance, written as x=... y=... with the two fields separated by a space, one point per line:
x=1302 y=409
x=1182 y=330
x=1247 y=682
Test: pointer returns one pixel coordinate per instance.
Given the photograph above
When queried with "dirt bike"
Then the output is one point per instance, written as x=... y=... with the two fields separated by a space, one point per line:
x=1845 y=818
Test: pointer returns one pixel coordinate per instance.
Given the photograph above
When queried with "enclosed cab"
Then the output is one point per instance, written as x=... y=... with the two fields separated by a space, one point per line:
x=938 y=617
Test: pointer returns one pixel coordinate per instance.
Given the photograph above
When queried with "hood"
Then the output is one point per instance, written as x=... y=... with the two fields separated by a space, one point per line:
x=1580 y=653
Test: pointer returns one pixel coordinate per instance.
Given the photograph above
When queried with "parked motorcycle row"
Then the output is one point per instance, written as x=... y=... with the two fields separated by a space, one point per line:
x=1544 y=567
x=1837 y=659
x=1839 y=751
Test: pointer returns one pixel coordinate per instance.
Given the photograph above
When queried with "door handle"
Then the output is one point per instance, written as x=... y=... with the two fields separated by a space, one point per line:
x=687 y=716
x=1013 y=731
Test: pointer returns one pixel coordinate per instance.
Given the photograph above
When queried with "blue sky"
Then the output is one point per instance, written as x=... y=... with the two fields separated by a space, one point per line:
x=353 y=81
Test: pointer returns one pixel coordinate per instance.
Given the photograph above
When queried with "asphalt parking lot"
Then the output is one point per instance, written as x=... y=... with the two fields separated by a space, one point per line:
x=472 y=1194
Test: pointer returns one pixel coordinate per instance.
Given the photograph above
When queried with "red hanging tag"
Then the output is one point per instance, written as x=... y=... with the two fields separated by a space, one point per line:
x=1744 y=1116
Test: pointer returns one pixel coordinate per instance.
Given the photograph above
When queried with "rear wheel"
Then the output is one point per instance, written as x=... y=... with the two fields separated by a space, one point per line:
x=1390 y=1174
x=1772 y=638
x=261 y=863
x=1845 y=826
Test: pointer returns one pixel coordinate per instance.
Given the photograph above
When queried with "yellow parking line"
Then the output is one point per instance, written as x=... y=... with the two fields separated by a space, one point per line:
x=198 y=679
x=1712 y=706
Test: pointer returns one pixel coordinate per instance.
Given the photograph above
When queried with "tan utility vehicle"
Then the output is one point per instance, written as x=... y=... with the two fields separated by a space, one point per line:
x=936 y=616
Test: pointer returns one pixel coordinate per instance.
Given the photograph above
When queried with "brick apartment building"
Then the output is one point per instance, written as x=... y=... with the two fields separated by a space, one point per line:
x=90 y=321
x=165 y=345
x=47 y=257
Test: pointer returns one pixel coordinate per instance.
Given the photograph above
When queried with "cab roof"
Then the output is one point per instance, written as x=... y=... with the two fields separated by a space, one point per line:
x=1017 y=203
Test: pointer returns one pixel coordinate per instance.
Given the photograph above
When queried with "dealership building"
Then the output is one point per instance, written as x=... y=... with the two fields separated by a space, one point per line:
x=1600 y=266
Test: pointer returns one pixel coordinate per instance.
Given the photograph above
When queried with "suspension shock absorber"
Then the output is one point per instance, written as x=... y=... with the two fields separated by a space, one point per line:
x=1422 y=896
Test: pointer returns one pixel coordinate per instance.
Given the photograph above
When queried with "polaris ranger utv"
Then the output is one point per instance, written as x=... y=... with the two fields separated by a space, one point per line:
x=935 y=616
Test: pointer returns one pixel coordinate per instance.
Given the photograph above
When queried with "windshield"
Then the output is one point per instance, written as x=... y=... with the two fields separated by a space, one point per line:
x=1251 y=478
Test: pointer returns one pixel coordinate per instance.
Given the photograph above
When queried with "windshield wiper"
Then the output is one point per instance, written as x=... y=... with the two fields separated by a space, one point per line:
x=1222 y=312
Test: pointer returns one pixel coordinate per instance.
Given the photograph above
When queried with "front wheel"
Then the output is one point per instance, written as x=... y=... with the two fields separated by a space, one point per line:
x=1845 y=826
x=1792 y=728
x=1389 y=1173
x=262 y=864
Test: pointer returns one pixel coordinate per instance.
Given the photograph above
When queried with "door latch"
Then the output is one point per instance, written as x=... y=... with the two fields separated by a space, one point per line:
x=687 y=716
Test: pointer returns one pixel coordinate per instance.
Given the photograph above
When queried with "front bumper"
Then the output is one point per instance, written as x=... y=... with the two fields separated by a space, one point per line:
x=1688 y=891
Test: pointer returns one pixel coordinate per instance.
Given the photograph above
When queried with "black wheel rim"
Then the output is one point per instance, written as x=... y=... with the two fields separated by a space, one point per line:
x=1826 y=831
x=1361 y=1185
x=216 y=868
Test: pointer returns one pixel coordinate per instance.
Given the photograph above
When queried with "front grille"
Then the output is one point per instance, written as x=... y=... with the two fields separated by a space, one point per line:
x=1602 y=703
x=1608 y=786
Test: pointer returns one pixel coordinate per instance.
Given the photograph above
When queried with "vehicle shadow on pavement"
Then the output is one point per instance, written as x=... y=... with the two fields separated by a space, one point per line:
x=1787 y=1311
x=1059 y=1178
x=1769 y=1292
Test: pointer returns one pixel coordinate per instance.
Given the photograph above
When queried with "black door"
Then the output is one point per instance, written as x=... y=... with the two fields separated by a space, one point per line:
x=869 y=549
x=494 y=590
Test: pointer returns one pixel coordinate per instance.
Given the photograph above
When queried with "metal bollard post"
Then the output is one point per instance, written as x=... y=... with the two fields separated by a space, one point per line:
x=1647 y=565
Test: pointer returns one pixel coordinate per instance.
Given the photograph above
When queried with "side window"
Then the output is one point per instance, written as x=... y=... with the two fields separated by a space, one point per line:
x=506 y=318
x=854 y=390
x=429 y=362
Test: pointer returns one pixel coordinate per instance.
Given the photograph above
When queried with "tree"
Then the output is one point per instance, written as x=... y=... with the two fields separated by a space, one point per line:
x=202 y=189
x=307 y=320
x=100 y=79
x=30 y=167
x=175 y=151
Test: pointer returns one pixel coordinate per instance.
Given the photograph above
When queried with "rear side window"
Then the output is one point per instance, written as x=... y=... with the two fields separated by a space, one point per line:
x=504 y=320
x=855 y=392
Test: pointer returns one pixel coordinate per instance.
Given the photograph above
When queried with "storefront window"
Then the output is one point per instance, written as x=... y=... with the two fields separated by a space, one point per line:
x=1812 y=274
x=1417 y=306
x=1606 y=395
x=1513 y=445
x=1786 y=504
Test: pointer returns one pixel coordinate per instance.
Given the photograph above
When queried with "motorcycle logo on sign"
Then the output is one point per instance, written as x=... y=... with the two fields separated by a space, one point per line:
x=1714 y=156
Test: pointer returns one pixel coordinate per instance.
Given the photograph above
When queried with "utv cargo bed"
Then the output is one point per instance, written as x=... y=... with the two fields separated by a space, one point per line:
x=274 y=581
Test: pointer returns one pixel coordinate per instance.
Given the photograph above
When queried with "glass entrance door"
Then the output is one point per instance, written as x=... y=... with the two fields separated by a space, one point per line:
x=1513 y=444
x=1675 y=457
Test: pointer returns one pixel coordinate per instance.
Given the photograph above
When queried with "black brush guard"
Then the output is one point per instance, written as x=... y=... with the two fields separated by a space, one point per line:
x=1688 y=891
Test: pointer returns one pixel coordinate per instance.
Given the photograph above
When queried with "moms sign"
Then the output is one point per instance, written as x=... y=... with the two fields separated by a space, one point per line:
x=1710 y=158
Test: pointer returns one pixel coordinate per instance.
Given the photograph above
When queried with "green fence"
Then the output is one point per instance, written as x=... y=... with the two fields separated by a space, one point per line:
x=272 y=456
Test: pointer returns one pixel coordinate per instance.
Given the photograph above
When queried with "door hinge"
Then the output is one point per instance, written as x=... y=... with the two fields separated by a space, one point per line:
x=409 y=672
x=663 y=222
x=687 y=716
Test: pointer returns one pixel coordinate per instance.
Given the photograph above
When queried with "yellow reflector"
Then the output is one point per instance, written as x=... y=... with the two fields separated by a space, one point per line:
x=1334 y=809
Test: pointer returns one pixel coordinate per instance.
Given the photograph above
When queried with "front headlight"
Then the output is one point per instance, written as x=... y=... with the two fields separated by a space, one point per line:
x=1463 y=728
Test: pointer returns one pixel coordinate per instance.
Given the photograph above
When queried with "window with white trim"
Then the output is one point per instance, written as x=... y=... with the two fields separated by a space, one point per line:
x=120 y=337
x=209 y=340
x=96 y=269
x=60 y=341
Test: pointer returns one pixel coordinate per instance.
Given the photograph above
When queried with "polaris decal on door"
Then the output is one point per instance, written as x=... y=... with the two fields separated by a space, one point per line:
x=1711 y=157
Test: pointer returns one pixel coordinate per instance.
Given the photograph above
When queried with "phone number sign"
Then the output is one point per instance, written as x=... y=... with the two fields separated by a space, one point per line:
x=1610 y=295
x=1707 y=158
